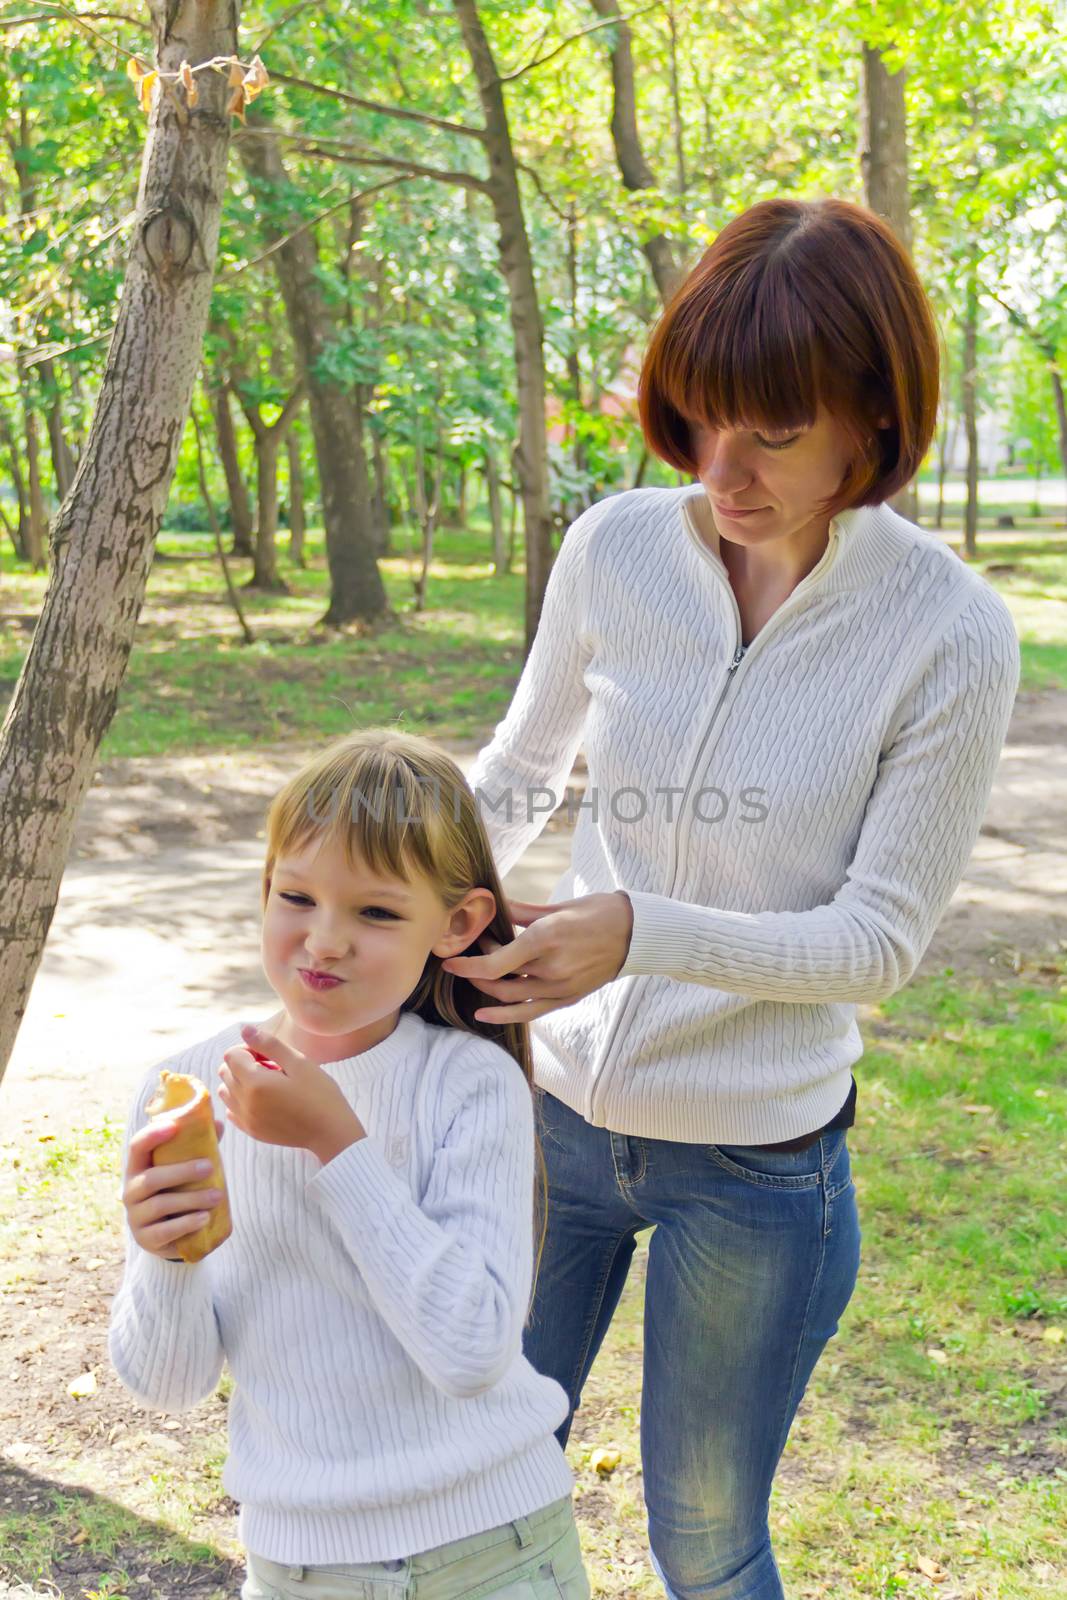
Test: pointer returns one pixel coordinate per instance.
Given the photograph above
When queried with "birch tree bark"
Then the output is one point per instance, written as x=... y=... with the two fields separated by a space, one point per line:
x=105 y=531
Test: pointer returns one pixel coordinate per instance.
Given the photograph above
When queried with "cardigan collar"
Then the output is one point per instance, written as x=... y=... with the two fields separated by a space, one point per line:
x=865 y=542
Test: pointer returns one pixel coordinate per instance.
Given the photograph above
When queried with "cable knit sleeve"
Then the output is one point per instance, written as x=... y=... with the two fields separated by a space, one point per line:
x=919 y=827
x=450 y=1273
x=520 y=774
x=164 y=1339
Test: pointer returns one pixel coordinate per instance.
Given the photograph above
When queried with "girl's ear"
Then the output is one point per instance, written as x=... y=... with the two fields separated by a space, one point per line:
x=470 y=918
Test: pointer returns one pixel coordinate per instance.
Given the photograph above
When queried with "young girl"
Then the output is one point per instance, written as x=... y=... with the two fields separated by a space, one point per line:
x=387 y=1436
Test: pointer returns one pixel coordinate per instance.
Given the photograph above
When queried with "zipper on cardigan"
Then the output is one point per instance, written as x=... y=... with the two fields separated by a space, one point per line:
x=596 y=1086
x=735 y=662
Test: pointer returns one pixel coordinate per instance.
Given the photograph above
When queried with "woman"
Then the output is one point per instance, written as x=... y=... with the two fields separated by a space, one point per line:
x=792 y=703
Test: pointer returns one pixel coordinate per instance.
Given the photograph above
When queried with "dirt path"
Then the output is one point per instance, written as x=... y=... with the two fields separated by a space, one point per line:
x=155 y=938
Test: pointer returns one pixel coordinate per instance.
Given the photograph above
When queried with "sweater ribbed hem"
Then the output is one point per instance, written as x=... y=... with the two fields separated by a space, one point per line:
x=387 y=1533
x=625 y=1105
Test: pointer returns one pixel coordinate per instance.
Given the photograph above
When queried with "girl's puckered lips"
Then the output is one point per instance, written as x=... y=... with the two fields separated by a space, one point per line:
x=319 y=980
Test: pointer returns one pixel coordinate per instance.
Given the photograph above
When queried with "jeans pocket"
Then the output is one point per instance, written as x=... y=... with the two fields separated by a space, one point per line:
x=771 y=1169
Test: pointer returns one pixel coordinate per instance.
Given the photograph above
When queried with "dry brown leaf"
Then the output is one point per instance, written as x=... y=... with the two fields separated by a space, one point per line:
x=931 y=1569
x=145 y=87
x=255 y=79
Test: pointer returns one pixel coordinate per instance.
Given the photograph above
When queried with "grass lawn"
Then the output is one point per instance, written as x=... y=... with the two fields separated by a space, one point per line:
x=929 y=1456
x=192 y=685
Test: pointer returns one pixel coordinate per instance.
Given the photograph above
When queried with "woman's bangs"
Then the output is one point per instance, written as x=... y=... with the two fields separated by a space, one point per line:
x=754 y=362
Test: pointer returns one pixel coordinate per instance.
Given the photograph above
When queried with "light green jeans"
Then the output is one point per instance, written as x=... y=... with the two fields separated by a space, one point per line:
x=537 y=1557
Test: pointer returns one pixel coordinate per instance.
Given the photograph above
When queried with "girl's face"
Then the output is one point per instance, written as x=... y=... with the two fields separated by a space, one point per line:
x=767 y=486
x=343 y=947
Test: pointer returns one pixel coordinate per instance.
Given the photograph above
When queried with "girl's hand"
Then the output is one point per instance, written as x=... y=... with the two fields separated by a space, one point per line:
x=566 y=952
x=300 y=1106
x=157 y=1213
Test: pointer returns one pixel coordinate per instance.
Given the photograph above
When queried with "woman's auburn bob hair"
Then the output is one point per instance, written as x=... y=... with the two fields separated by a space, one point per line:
x=799 y=303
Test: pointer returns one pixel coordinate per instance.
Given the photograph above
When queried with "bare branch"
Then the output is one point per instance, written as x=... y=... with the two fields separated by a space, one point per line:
x=355 y=194
x=422 y=117
x=73 y=16
x=342 y=150
x=294 y=11
x=565 y=44
x=542 y=191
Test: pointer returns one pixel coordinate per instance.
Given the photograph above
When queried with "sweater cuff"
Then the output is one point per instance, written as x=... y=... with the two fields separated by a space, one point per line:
x=668 y=937
x=170 y=1283
x=360 y=1178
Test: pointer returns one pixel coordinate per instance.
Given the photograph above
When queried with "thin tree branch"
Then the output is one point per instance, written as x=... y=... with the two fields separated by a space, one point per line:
x=542 y=191
x=354 y=194
x=213 y=518
x=341 y=150
x=73 y=16
x=422 y=117
x=294 y=11
x=594 y=27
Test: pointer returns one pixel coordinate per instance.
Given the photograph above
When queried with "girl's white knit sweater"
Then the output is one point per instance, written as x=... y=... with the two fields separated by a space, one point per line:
x=370 y=1310
x=789 y=820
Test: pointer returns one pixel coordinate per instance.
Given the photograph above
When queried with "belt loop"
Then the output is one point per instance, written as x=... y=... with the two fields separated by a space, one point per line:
x=522 y=1532
x=297 y=1574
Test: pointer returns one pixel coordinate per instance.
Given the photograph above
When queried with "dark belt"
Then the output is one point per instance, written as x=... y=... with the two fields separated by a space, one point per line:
x=805 y=1142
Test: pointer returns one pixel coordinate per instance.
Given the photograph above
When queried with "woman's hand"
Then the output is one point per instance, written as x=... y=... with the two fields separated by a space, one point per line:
x=300 y=1106
x=158 y=1214
x=566 y=952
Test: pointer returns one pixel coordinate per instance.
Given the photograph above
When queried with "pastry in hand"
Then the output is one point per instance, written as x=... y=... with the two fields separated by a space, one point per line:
x=186 y=1102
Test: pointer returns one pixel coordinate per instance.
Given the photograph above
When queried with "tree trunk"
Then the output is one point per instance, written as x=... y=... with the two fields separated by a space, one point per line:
x=517 y=264
x=969 y=396
x=297 y=519
x=884 y=162
x=236 y=488
x=18 y=532
x=634 y=169
x=496 y=514
x=380 y=501
x=268 y=440
x=35 y=527
x=105 y=530
x=62 y=459
x=426 y=511
x=356 y=589
x=265 y=574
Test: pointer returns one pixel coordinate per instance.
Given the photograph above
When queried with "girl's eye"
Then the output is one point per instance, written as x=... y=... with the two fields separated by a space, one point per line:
x=376 y=913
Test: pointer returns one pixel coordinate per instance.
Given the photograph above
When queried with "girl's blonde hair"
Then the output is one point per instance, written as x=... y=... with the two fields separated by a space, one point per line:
x=401 y=805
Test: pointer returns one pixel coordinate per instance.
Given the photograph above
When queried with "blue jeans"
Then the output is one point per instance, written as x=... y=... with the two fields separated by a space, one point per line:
x=753 y=1258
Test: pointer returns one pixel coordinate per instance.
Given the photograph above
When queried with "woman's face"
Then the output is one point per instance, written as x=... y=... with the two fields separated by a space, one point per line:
x=767 y=486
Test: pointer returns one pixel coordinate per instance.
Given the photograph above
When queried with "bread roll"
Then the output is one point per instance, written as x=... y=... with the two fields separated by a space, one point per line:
x=186 y=1102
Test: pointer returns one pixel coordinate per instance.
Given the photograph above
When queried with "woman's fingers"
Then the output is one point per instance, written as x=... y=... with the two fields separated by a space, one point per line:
x=499 y=962
x=527 y=1012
